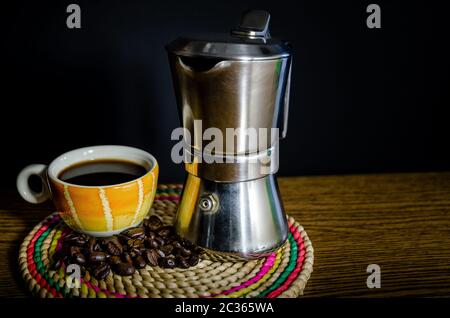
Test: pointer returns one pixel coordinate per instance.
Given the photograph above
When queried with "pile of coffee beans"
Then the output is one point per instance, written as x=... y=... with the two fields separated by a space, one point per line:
x=152 y=243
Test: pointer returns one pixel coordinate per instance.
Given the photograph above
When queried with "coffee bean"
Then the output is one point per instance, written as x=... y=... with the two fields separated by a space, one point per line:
x=127 y=258
x=167 y=249
x=76 y=238
x=168 y=262
x=122 y=238
x=183 y=251
x=82 y=271
x=139 y=262
x=153 y=223
x=113 y=260
x=182 y=262
x=152 y=243
x=186 y=243
x=135 y=252
x=137 y=232
x=151 y=235
x=165 y=231
x=113 y=246
x=198 y=250
x=193 y=260
x=176 y=244
x=135 y=243
x=172 y=239
x=124 y=269
x=160 y=253
x=101 y=270
x=58 y=264
x=152 y=257
x=97 y=257
x=91 y=244
x=71 y=237
x=74 y=250
x=79 y=258
x=160 y=240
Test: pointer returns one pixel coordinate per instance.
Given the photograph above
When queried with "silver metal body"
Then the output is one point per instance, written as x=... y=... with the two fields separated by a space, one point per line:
x=246 y=220
x=232 y=94
x=230 y=202
x=232 y=168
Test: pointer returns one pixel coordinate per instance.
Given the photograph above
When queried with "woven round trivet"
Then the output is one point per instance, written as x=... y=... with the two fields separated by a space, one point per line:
x=283 y=273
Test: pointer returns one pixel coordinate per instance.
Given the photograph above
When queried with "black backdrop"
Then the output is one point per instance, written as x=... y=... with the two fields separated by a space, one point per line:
x=363 y=100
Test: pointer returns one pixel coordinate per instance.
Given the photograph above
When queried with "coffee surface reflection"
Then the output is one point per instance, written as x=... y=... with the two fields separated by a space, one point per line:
x=102 y=172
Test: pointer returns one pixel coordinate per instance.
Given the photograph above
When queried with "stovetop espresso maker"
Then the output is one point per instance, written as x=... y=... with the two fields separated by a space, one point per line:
x=236 y=85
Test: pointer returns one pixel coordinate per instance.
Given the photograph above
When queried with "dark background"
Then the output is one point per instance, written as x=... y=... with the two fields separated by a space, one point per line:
x=362 y=100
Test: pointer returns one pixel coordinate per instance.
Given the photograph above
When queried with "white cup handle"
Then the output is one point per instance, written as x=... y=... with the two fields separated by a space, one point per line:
x=24 y=188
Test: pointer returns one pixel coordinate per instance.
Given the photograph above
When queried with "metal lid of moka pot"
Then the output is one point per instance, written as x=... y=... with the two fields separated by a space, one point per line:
x=251 y=41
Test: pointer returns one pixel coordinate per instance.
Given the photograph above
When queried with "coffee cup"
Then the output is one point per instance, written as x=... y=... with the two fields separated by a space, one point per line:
x=100 y=209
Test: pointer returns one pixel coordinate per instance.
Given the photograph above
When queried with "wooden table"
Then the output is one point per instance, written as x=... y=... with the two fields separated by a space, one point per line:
x=399 y=221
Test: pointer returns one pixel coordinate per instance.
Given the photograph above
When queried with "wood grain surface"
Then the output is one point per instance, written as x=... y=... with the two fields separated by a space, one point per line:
x=399 y=221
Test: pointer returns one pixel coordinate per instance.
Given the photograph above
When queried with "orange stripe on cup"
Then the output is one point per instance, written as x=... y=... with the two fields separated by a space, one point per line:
x=103 y=210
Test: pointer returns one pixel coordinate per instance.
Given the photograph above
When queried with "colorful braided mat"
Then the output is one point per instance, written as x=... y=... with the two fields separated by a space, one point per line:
x=283 y=273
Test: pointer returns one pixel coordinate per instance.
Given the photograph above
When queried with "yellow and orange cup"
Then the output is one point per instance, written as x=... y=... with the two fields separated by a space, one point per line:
x=95 y=210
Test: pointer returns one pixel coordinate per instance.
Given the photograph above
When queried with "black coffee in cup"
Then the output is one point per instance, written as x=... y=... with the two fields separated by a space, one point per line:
x=102 y=172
